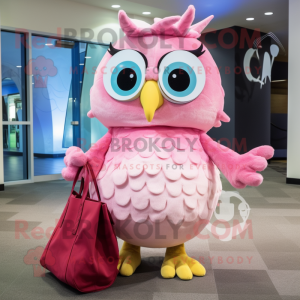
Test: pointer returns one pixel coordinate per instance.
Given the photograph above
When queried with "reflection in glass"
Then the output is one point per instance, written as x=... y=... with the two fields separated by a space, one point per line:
x=91 y=129
x=51 y=72
x=13 y=77
x=62 y=75
x=11 y=101
x=15 y=152
x=14 y=106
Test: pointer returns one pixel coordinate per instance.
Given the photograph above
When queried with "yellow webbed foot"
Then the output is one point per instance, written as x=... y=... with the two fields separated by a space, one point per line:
x=177 y=262
x=130 y=259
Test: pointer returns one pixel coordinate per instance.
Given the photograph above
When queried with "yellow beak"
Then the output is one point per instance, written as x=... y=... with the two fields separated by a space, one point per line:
x=151 y=99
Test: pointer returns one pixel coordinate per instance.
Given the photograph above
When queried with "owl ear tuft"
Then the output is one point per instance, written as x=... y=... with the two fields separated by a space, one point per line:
x=186 y=20
x=199 y=27
x=126 y=23
x=90 y=114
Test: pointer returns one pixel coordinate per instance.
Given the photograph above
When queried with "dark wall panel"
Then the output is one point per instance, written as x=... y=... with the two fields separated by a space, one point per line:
x=279 y=131
x=223 y=58
x=247 y=103
x=252 y=101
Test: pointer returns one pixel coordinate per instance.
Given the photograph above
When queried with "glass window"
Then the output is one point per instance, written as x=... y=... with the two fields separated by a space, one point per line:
x=13 y=68
x=91 y=129
x=13 y=77
x=15 y=152
x=62 y=75
x=51 y=85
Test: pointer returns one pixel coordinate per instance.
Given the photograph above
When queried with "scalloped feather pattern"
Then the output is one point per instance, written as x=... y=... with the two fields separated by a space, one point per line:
x=160 y=176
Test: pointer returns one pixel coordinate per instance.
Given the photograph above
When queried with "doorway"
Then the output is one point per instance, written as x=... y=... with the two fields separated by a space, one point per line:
x=62 y=74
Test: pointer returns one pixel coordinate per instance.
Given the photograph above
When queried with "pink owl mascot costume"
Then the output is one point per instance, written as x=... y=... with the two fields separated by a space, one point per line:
x=156 y=91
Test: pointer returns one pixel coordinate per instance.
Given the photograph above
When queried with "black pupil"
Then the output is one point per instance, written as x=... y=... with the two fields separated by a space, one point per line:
x=126 y=79
x=179 y=80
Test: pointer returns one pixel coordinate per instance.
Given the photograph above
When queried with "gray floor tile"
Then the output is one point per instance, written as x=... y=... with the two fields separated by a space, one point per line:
x=237 y=260
x=291 y=232
x=250 y=192
x=286 y=282
x=276 y=205
x=147 y=277
x=239 y=282
x=263 y=212
x=28 y=199
x=281 y=260
x=281 y=245
x=293 y=220
x=11 y=226
x=3 y=201
x=290 y=297
x=7 y=194
x=256 y=201
x=249 y=297
x=272 y=192
x=268 y=221
x=294 y=193
x=237 y=244
x=281 y=200
x=185 y=296
x=4 y=215
x=269 y=239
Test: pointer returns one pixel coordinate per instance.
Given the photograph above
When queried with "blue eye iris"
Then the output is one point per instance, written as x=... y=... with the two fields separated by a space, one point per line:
x=126 y=78
x=179 y=79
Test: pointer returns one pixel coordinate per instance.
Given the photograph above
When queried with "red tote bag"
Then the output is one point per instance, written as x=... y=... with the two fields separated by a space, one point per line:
x=83 y=249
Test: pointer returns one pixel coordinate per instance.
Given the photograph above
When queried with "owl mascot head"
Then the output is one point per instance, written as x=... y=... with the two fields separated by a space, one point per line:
x=159 y=75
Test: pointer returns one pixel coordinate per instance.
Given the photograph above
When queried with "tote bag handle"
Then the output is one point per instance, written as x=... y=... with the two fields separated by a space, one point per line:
x=88 y=171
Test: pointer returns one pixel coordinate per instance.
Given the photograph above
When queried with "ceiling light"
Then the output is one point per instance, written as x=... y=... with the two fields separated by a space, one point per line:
x=250 y=19
x=87 y=57
x=19 y=66
x=146 y=13
x=268 y=13
x=115 y=6
x=279 y=80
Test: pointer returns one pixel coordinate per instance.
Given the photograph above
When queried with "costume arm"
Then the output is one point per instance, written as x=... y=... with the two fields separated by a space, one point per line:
x=240 y=170
x=75 y=157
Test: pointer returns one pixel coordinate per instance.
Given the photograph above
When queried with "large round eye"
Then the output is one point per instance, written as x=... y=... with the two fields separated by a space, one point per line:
x=125 y=75
x=181 y=76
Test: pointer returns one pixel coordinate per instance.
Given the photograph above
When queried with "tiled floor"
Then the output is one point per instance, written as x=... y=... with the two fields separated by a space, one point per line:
x=262 y=265
x=279 y=166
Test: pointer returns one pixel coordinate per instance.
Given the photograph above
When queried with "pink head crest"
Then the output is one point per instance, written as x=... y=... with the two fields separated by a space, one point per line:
x=171 y=26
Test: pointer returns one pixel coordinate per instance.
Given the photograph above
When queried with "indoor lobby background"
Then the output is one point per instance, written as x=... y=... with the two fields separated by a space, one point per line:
x=49 y=51
x=46 y=83
x=61 y=75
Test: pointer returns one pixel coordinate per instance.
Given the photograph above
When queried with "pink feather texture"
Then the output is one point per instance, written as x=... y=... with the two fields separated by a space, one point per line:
x=172 y=182
x=163 y=189
x=172 y=26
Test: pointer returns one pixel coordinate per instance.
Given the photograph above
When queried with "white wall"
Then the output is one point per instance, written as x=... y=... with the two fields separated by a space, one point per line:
x=293 y=151
x=48 y=16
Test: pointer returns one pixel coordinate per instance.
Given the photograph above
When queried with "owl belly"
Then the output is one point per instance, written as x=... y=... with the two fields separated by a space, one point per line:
x=161 y=188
